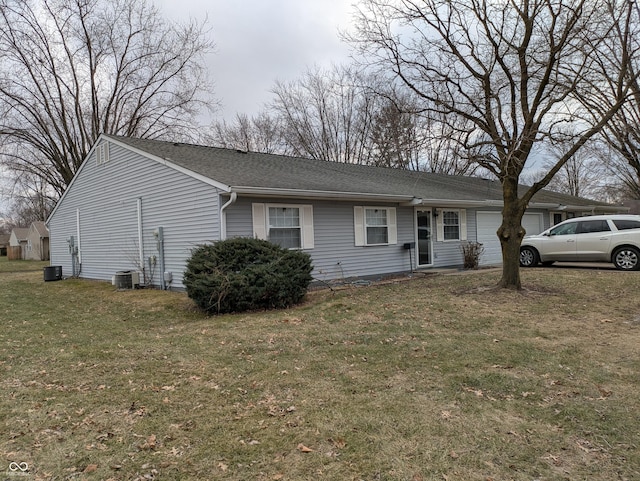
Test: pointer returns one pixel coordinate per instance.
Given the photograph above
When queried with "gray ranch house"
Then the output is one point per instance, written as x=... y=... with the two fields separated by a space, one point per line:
x=142 y=206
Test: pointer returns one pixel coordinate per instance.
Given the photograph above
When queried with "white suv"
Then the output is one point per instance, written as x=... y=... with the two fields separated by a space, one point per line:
x=600 y=238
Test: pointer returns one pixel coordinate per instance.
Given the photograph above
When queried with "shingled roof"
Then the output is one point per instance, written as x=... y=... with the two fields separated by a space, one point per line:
x=251 y=172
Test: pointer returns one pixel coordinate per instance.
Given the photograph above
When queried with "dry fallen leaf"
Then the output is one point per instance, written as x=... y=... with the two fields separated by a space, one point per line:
x=150 y=443
x=222 y=467
x=304 y=449
x=91 y=468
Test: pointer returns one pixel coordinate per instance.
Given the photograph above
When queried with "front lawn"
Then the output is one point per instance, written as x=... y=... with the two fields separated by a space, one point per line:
x=437 y=378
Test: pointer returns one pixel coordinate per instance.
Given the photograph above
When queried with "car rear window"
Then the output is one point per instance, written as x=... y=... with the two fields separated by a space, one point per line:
x=624 y=224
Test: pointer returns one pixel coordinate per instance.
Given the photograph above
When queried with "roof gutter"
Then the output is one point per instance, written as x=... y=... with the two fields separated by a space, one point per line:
x=587 y=207
x=318 y=194
x=408 y=200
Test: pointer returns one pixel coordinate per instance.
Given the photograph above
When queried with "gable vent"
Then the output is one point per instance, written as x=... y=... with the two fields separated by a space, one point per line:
x=102 y=153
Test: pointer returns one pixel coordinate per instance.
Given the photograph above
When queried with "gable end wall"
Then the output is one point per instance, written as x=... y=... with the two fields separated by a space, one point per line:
x=106 y=197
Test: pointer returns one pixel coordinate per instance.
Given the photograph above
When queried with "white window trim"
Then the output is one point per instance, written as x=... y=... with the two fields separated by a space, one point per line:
x=462 y=219
x=260 y=215
x=360 y=227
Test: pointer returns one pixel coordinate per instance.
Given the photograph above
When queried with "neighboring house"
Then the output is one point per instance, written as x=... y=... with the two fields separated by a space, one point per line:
x=37 y=242
x=4 y=244
x=18 y=243
x=139 y=204
x=633 y=205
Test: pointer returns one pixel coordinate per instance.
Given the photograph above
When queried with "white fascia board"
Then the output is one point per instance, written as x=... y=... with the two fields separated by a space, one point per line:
x=458 y=203
x=317 y=194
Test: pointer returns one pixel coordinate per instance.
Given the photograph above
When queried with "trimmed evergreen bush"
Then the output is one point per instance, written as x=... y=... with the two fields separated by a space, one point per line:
x=243 y=274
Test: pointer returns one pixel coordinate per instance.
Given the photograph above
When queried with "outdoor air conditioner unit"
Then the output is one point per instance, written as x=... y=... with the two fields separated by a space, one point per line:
x=126 y=280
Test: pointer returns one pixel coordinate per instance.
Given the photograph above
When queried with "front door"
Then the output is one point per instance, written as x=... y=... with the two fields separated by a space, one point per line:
x=424 y=247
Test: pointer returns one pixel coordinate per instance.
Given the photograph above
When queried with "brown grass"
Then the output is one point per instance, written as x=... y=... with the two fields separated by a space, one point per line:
x=443 y=377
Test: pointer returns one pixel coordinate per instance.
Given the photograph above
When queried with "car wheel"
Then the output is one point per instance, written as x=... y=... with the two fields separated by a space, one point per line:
x=627 y=259
x=529 y=257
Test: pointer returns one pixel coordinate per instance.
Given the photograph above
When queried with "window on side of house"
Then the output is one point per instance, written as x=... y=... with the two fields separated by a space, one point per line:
x=452 y=225
x=290 y=226
x=284 y=227
x=375 y=226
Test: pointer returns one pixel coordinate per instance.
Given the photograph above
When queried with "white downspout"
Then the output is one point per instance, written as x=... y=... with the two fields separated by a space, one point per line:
x=140 y=238
x=223 y=215
x=79 y=245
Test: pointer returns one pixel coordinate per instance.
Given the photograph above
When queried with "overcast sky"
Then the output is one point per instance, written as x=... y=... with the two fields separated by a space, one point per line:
x=261 y=41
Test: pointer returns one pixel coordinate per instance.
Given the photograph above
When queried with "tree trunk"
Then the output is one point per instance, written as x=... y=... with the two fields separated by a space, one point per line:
x=510 y=234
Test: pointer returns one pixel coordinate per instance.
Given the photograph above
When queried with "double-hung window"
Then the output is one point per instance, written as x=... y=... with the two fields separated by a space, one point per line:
x=375 y=226
x=290 y=226
x=452 y=225
x=284 y=227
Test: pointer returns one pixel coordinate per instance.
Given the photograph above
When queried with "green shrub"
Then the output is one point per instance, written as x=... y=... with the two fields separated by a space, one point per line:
x=243 y=274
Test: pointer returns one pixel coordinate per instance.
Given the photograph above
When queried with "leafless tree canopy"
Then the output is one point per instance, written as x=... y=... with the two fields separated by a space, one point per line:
x=342 y=115
x=261 y=133
x=519 y=73
x=72 y=69
x=622 y=135
x=327 y=114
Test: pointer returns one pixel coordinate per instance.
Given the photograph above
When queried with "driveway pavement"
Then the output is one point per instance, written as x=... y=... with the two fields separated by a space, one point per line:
x=583 y=265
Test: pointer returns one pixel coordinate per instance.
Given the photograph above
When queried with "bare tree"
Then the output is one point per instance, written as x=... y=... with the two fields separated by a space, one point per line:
x=579 y=176
x=394 y=138
x=327 y=114
x=622 y=178
x=261 y=133
x=444 y=149
x=72 y=69
x=622 y=135
x=404 y=137
x=519 y=73
x=30 y=199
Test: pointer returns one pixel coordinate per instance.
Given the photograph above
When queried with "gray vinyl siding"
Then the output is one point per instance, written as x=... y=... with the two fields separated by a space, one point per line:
x=335 y=254
x=107 y=198
x=448 y=253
